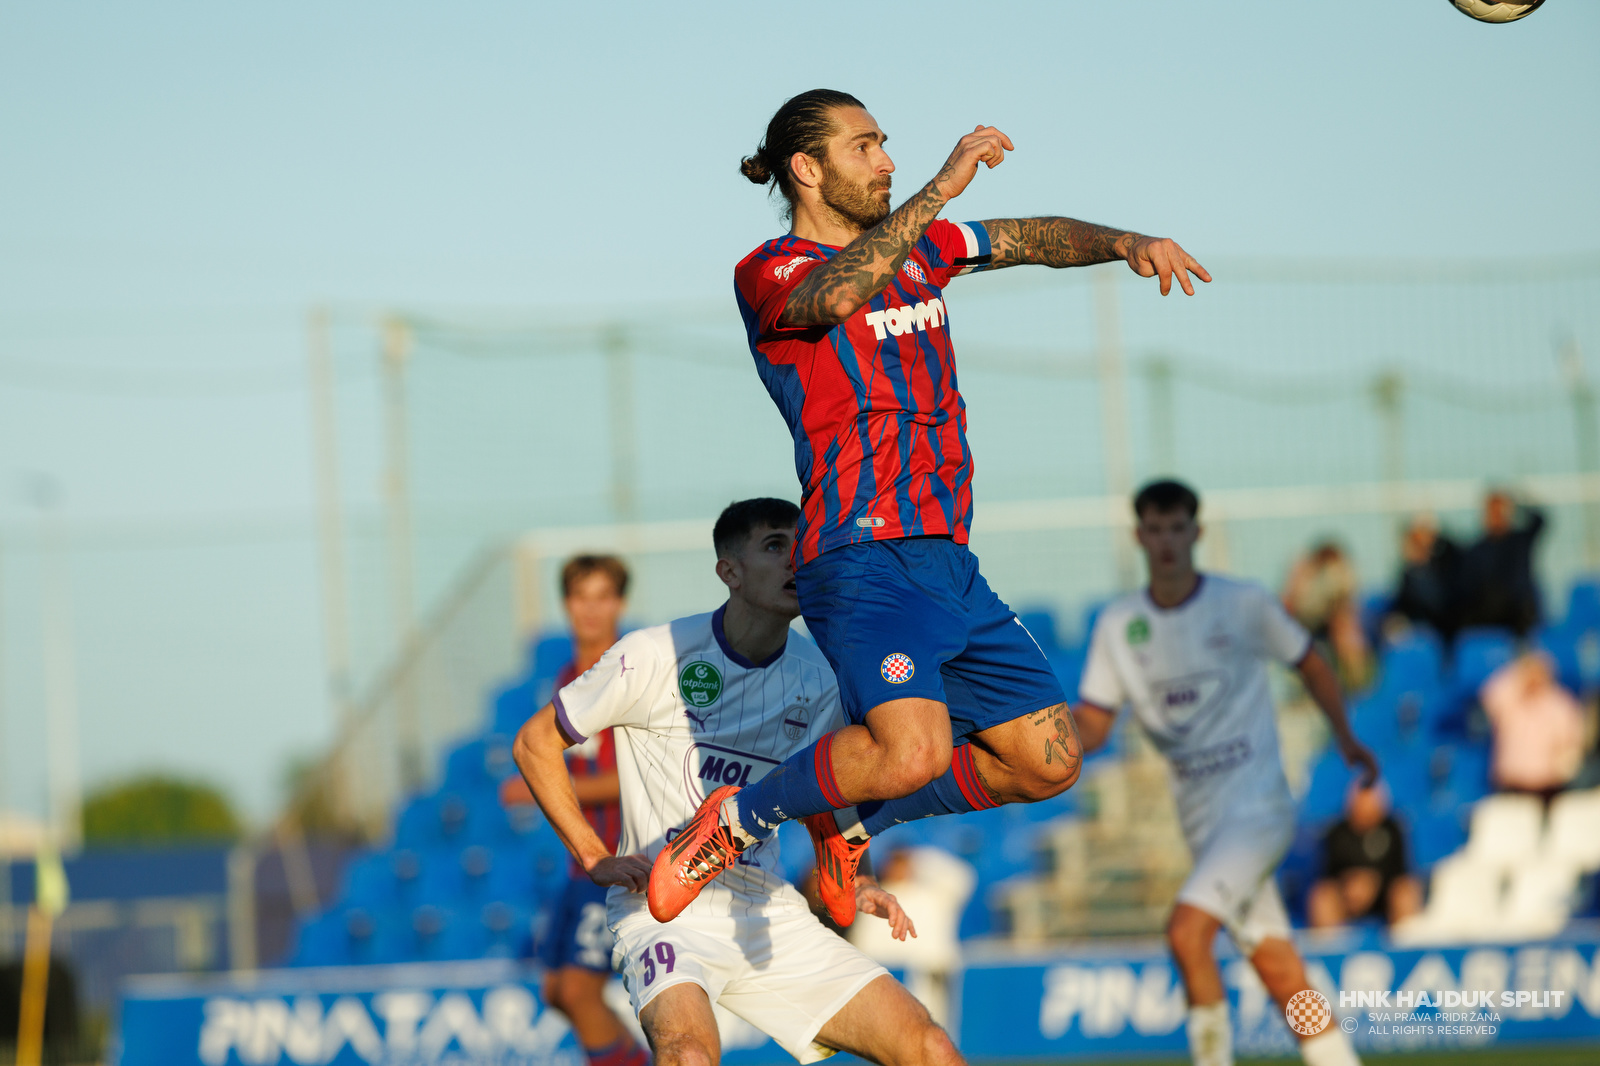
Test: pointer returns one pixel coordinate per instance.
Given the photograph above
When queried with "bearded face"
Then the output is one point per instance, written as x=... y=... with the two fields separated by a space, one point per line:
x=862 y=204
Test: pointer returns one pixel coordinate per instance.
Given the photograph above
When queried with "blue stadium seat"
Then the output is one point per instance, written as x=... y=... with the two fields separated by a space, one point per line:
x=513 y=705
x=1414 y=663
x=506 y=930
x=1435 y=834
x=479 y=764
x=1583 y=605
x=337 y=938
x=369 y=881
x=322 y=942
x=1090 y=614
x=443 y=881
x=496 y=826
x=1575 y=653
x=549 y=655
x=1068 y=668
x=1478 y=653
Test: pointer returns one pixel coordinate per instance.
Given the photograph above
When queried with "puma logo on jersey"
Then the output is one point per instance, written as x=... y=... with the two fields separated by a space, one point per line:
x=782 y=272
x=904 y=319
x=698 y=719
x=623 y=659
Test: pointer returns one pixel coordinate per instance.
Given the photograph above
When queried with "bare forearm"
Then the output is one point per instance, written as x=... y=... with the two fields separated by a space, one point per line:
x=538 y=755
x=1323 y=688
x=840 y=287
x=593 y=790
x=1093 y=725
x=1054 y=242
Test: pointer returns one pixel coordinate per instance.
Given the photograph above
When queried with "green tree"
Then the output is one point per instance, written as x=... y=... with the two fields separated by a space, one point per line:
x=155 y=809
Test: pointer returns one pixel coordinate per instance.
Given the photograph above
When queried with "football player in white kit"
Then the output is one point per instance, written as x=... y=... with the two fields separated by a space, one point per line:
x=715 y=701
x=1189 y=654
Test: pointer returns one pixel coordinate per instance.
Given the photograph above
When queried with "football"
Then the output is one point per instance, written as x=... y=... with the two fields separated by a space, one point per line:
x=1496 y=10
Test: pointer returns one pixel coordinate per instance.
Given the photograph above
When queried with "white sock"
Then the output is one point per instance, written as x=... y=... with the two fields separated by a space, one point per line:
x=1329 y=1048
x=848 y=819
x=730 y=815
x=1211 y=1035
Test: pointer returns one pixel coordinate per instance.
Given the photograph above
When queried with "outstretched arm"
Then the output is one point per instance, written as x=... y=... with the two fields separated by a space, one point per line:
x=1066 y=242
x=537 y=752
x=1323 y=687
x=837 y=289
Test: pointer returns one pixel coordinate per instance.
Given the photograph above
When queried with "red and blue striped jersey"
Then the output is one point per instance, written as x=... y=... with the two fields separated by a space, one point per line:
x=879 y=425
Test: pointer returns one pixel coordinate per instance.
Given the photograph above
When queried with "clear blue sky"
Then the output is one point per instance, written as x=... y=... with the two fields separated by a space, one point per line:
x=181 y=180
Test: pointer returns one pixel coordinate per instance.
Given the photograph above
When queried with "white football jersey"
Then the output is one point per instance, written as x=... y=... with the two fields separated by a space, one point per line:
x=692 y=714
x=1196 y=677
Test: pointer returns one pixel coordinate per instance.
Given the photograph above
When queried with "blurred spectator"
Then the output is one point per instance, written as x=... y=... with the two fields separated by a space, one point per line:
x=1494 y=582
x=1428 y=563
x=1322 y=595
x=1365 y=871
x=1538 y=727
x=933 y=886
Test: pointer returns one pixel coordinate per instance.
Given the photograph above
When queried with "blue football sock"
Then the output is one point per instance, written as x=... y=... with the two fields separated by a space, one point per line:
x=956 y=792
x=801 y=785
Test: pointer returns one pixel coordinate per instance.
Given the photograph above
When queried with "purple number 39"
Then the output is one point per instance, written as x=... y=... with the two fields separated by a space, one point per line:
x=663 y=953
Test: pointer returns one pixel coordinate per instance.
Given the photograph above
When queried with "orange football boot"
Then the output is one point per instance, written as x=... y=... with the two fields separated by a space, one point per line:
x=837 y=862
x=703 y=850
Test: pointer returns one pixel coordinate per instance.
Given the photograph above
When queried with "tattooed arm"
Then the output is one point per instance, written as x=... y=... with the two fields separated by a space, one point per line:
x=1066 y=242
x=838 y=288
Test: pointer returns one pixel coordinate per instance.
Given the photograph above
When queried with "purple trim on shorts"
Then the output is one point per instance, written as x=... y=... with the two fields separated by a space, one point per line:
x=565 y=723
x=727 y=649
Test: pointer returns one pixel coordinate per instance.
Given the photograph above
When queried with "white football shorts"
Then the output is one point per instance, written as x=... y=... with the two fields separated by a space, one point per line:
x=782 y=971
x=1233 y=880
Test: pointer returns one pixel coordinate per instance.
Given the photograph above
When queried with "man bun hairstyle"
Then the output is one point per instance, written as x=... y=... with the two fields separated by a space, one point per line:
x=1166 y=495
x=743 y=517
x=803 y=124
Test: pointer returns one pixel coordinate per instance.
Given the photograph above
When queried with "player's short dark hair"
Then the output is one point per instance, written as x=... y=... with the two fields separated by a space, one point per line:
x=1166 y=495
x=743 y=517
x=581 y=566
x=803 y=124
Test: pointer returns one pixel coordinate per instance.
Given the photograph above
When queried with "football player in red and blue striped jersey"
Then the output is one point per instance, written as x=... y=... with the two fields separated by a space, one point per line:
x=952 y=704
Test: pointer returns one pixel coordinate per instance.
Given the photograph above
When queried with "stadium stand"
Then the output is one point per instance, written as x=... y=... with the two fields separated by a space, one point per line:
x=465 y=877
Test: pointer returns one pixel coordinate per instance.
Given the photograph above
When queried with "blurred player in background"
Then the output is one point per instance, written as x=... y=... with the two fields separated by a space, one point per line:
x=576 y=945
x=698 y=705
x=1189 y=654
x=952 y=705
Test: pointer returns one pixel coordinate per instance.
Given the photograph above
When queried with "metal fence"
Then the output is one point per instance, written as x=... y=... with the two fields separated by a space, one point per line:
x=462 y=456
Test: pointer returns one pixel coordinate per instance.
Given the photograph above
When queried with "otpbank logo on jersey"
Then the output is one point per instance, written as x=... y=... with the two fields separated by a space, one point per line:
x=897 y=668
x=707 y=767
x=700 y=683
x=904 y=319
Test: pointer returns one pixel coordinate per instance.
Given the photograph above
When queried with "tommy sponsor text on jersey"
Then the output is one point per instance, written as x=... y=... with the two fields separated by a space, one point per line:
x=688 y=716
x=877 y=417
x=1195 y=676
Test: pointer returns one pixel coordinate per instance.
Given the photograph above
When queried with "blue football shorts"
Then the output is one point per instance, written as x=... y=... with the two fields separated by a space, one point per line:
x=578 y=934
x=913 y=617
